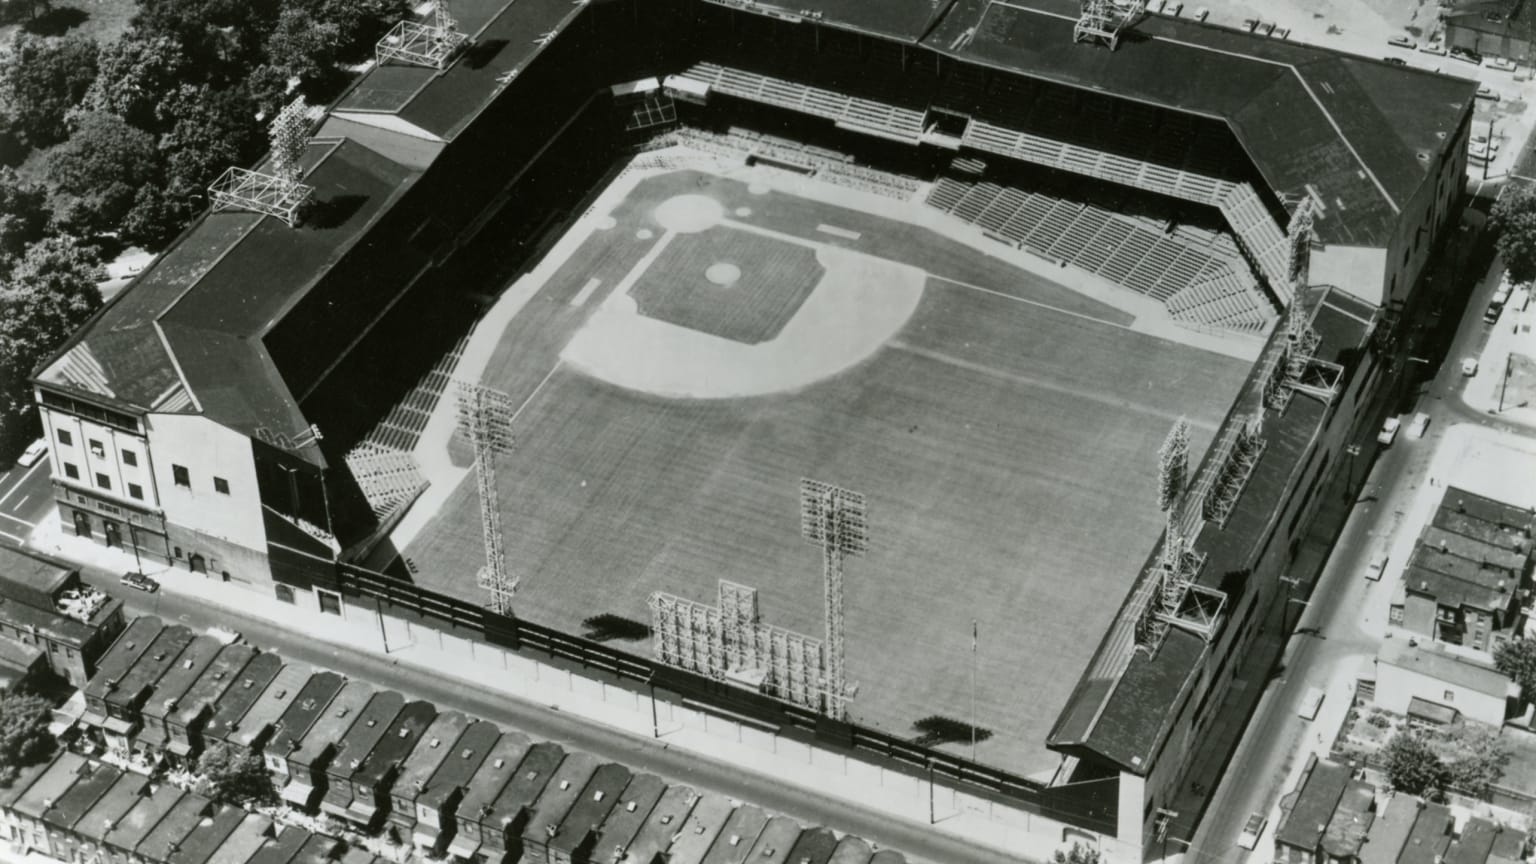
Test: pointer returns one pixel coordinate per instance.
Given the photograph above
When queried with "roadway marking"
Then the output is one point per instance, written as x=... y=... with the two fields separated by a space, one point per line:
x=585 y=293
x=15 y=519
x=18 y=540
x=23 y=500
x=1040 y=383
x=839 y=232
x=12 y=491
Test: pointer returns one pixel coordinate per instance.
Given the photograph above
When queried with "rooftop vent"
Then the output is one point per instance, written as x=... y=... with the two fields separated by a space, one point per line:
x=564 y=785
x=186 y=664
x=666 y=819
x=434 y=742
x=735 y=839
x=498 y=762
x=405 y=732
x=598 y=795
x=630 y=807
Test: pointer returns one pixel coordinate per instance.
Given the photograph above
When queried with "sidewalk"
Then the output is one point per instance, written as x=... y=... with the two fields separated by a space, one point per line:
x=1513 y=334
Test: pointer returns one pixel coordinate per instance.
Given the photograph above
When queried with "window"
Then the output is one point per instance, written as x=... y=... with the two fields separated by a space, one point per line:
x=1450 y=696
x=284 y=593
x=64 y=437
x=97 y=450
x=135 y=491
x=71 y=471
x=330 y=602
x=103 y=480
x=177 y=552
x=180 y=475
x=130 y=458
x=221 y=485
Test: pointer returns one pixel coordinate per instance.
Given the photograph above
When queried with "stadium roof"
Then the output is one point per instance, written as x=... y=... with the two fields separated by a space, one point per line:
x=1350 y=126
x=903 y=20
x=162 y=346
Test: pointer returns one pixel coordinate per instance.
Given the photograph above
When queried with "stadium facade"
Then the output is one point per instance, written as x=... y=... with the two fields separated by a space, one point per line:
x=205 y=416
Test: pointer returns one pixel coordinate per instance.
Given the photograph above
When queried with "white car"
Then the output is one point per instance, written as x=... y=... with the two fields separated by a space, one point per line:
x=34 y=452
x=1401 y=42
x=1252 y=831
x=1419 y=424
x=1312 y=701
x=1377 y=565
x=1502 y=64
x=1388 y=432
x=1469 y=366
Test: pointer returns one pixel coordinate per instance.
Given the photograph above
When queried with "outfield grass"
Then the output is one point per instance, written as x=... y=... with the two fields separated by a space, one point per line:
x=1007 y=451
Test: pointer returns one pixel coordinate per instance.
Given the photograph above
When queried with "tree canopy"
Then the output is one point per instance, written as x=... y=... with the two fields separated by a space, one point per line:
x=1517 y=659
x=23 y=217
x=1414 y=767
x=1079 y=854
x=134 y=73
x=42 y=78
x=24 y=736
x=1513 y=219
x=97 y=173
x=228 y=777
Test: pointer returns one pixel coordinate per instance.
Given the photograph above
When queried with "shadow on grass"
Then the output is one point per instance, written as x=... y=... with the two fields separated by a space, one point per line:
x=56 y=21
x=936 y=730
x=608 y=627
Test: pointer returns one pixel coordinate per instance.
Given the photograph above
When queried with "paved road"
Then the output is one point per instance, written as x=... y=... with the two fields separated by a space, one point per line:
x=1330 y=639
x=917 y=841
x=26 y=496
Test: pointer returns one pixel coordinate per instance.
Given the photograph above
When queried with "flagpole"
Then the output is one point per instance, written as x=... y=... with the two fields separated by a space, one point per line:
x=974 y=637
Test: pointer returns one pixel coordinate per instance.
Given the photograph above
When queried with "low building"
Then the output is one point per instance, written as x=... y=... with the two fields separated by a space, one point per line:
x=666 y=819
x=22 y=667
x=434 y=748
x=242 y=843
x=310 y=757
x=307 y=707
x=125 y=700
x=851 y=850
x=178 y=823
x=627 y=818
x=485 y=786
x=92 y=828
x=573 y=838
x=815 y=846
x=888 y=856
x=124 y=652
x=1350 y=824
x=1427 y=683
x=122 y=840
x=738 y=836
x=184 y=724
x=249 y=734
x=1389 y=832
x=440 y=797
x=1430 y=837
x=240 y=696
x=559 y=796
x=373 y=778
x=38 y=801
x=774 y=844
x=47 y=606
x=1474 y=843
x=502 y=825
x=360 y=740
x=154 y=730
x=1305 y=813
x=282 y=848
x=210 y=834
x=701 y=828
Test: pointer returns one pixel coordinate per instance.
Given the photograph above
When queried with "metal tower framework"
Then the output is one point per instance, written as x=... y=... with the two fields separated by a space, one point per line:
x=833 y=518
x=485 y=416
x=277 y=191
x=1170 y=597
x=1235 y=454
x=431 y=43
x=1102 y=20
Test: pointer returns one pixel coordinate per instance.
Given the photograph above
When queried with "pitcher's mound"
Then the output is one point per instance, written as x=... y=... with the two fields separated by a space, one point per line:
x=723 y=274
x=688 y=214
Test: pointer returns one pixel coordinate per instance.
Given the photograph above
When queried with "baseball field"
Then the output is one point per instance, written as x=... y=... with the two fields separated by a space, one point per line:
x=713 y=339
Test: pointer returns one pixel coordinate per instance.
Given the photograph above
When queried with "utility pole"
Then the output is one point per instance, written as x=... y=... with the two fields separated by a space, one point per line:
x=975 y=637
x=1488 y=151
x=1504 y=382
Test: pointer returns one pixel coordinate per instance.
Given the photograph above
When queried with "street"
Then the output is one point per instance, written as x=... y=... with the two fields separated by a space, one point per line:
x=26 y=495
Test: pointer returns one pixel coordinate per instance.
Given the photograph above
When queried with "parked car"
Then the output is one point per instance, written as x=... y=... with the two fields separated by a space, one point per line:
x=1401 y=42
x=1395 y=61
x=1469 y=366
x=1253 y=829
x=1433 y=48
x=1388 y=432
x=1376 y=566
x=1486 y=92
x=1310 y=703
x=138 y=581
x=1502 y=64
x=34 y=452
x=1467 y=56
x=1202 y=13
x=1419 y=424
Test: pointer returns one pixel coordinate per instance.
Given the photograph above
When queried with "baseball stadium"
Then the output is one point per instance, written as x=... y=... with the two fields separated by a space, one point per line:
x=1066 y=311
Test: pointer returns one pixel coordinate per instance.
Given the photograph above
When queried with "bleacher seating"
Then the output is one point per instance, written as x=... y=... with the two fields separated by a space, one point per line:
x=1196 y=273
x=829 y=165
x=866 y=115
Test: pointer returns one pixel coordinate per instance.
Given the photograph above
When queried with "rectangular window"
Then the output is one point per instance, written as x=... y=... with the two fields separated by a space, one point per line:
x=64 y=437
x=221 y=485
x=98 y=450
x=1450 y=696
x=180 y=475
x=135 y=491
x=130 y=458
x=178 y=552
x=284 y=593
x=330 y=602
x=71 y=471
x=103 y=481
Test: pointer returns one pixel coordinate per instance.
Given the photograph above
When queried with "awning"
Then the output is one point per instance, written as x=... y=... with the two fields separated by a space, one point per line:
x=93 y=718
x=1430 y=712
x=463 y=846
x=361 y=810
x=333 y=808
x=298 y=793
x=151 y=736
x=180 y=748
x=426 y=835
x=117 y=725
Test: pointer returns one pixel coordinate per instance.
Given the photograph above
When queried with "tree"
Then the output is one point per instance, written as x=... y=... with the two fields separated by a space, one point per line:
x=1513 y=220
x=1414 y=767
x=23 y=217
x=24 y=736
x=97 y=173
x=1474 y=756
x=221 y=38
x=228 y=777
x=41 y=79
x=302 y=45
x=1517 y=659
x=49 y=294
x=1080 y=854
x=134 y=73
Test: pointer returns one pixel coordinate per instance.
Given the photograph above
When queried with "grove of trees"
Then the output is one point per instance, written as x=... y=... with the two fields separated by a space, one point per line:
x=1513 y=220
x=1467 y=757
x=24 y=736
x=112 y=145
x=228 y=777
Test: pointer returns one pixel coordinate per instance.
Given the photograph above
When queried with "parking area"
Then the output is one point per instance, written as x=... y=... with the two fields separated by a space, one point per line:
x=26 y=497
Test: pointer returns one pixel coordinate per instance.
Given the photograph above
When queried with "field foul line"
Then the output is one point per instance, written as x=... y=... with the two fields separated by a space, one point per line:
x=586 y=292
x=769 y=232
x=1040 y=383
x=552 y=370
x=1036 y=303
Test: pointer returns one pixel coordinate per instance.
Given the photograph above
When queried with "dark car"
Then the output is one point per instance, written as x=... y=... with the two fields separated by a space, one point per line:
x=139 y=581
x=1395 y=61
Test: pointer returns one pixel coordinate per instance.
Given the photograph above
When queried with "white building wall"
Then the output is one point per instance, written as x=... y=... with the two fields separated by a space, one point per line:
x=1396 y=687
x=207 y=451
x=100 y=456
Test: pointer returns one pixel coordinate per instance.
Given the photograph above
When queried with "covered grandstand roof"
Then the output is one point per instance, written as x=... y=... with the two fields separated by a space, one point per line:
x=905 y=20
x=162 y=346
x=1351 y=127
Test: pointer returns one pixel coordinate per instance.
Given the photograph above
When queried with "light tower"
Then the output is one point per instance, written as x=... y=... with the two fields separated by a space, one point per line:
x=485 y=415
x=276 y=191
x=834 y=519
x=1102 y=20
x=431 y=43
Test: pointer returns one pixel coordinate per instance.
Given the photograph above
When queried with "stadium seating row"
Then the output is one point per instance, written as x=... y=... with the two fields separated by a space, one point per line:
x=829 y=165
x=879 y=118
x=1202 y=281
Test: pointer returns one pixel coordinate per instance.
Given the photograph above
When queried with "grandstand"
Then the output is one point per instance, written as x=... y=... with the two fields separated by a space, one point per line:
x=276 y=382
